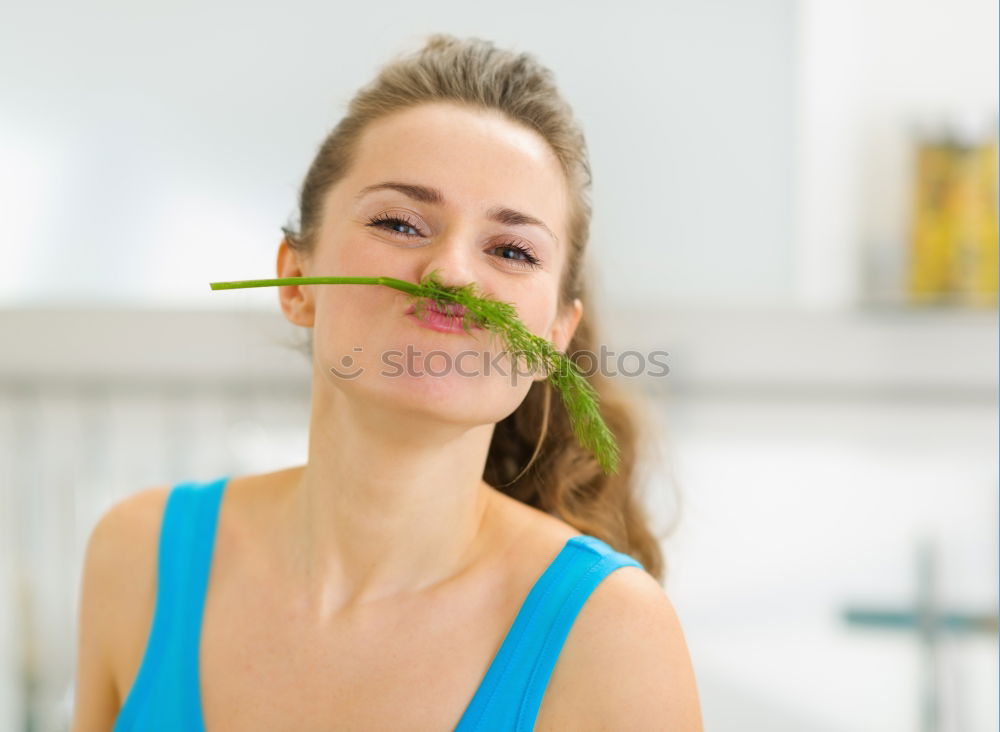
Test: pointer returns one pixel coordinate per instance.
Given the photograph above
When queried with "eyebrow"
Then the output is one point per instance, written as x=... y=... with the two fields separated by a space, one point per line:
x=427 y=194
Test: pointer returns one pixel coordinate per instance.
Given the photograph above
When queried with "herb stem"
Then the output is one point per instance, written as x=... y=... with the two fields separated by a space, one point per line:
x=500 y=318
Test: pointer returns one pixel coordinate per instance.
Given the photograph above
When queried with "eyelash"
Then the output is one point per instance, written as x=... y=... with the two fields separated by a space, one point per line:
x=529 y=262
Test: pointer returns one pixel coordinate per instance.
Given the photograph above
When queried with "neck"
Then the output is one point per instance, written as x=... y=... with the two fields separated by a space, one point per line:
x=389 y=503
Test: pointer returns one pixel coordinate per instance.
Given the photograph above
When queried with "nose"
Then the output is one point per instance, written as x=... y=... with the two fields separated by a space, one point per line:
x=452 y=258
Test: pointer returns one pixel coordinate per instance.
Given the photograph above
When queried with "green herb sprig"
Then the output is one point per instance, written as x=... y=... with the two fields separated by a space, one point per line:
x=500 y=319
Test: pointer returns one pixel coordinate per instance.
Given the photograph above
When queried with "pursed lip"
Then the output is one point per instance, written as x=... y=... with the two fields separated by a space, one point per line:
x=445 y=321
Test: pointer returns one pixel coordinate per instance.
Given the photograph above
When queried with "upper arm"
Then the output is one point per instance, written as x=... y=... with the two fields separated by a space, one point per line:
x=119 y=551
x=625 y=664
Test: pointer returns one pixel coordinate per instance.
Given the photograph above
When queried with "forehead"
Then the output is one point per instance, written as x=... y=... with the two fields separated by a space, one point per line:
x=478 y=159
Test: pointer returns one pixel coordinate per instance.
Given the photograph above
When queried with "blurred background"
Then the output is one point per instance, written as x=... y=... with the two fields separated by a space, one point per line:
x=796 y=199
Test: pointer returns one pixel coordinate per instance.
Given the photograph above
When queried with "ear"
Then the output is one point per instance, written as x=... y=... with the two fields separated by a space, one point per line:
x=296 y=300
x=562 y=330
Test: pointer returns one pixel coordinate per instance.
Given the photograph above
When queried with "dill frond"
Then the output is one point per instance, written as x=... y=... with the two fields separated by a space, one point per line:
x=501 y=320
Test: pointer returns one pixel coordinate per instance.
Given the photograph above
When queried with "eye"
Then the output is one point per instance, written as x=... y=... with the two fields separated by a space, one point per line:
x=521 y=258
x=529 y=261
x=387 y=222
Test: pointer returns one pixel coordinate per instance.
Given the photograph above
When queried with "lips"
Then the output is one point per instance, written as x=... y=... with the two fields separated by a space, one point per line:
x=446 y=318
x=452 y=309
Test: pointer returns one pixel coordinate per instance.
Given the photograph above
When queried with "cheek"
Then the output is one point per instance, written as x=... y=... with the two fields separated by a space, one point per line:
x=345 y=308
x=537 y=313
x=356 y=314
x=352 y=255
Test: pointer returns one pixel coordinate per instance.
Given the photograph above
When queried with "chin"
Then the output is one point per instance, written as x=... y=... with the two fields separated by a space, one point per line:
x=454 y=398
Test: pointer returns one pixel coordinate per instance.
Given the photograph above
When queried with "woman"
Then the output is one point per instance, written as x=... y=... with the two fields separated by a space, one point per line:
x=444 y=558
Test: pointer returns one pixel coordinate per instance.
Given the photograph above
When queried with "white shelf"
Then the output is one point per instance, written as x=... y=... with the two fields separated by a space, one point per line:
x=880 y=353
x=874 y=353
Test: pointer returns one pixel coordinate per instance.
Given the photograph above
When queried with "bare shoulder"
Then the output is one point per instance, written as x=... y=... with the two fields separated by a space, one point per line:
x=135 y=512
x=625 y=663
x=122 y=546
x=117 y=593
x=120 y=575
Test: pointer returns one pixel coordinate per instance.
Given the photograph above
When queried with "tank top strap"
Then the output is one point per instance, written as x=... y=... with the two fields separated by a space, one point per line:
x=167 y=683
x=187 y=539
x=589 y=571
x=512 y=690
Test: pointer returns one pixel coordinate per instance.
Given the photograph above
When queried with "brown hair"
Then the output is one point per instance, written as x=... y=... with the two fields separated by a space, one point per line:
x=534 y=455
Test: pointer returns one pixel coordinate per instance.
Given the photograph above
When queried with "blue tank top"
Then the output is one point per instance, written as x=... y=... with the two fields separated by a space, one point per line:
x=166 y=696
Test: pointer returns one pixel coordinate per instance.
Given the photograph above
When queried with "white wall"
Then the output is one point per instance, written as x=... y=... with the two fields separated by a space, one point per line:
x=151 y=148
x=796 y=509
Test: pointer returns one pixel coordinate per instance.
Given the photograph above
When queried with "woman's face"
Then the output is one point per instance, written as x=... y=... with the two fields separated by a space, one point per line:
x=473 y=196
